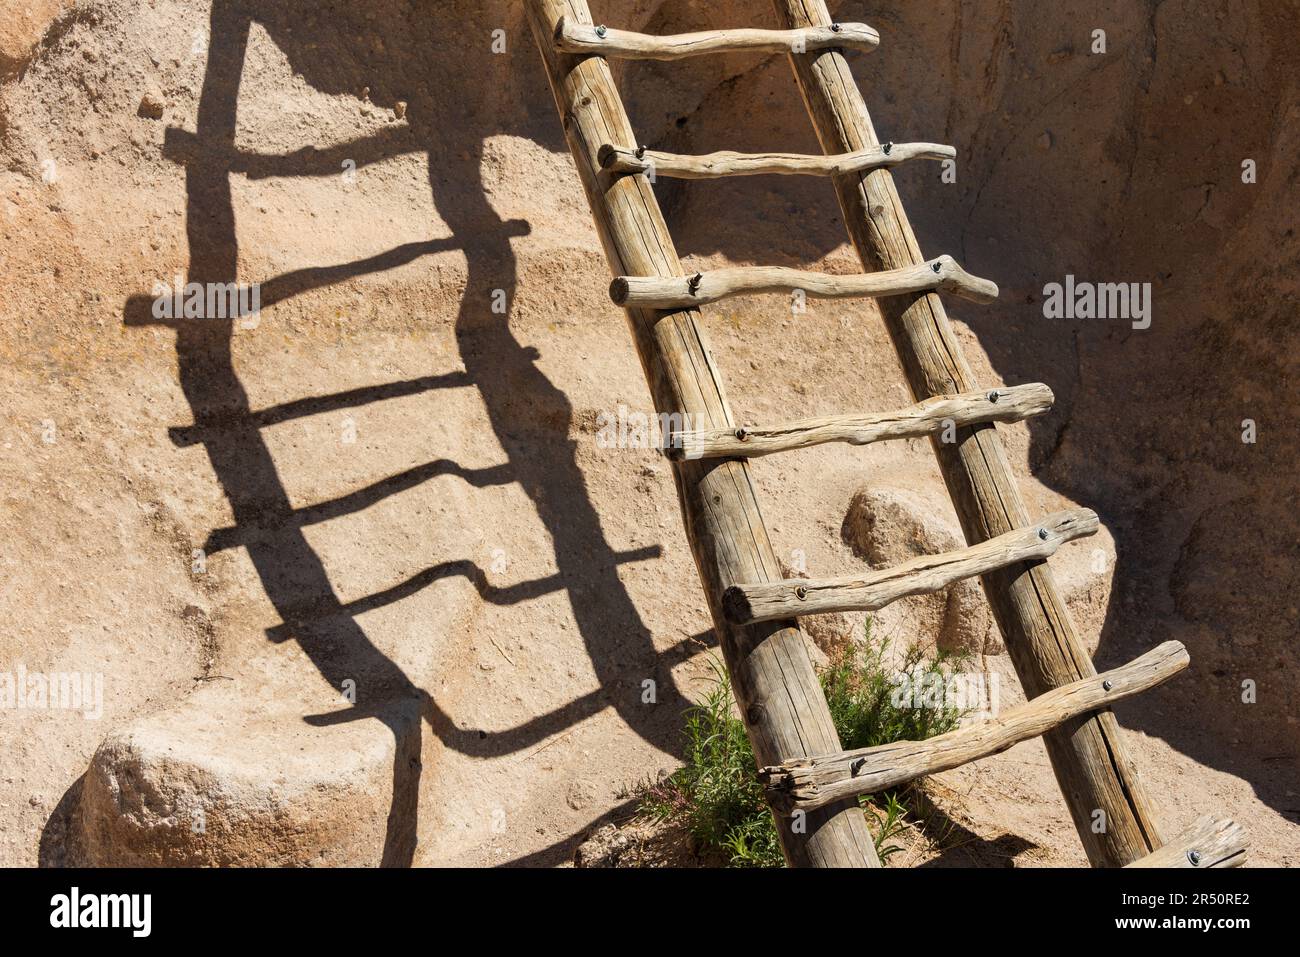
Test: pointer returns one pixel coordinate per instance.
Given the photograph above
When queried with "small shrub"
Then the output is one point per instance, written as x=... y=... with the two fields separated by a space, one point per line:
x=859 y=690
x=716 y=796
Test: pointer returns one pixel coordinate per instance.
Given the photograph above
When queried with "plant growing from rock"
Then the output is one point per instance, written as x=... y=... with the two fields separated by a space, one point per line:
x=716 y=797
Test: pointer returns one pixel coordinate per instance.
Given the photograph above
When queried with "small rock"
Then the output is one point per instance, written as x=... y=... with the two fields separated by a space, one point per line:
x=152 y=105
x=603 y=849
x=581 y=794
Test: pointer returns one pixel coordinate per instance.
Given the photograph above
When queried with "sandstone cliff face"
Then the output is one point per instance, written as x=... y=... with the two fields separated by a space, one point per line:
x=395 y=485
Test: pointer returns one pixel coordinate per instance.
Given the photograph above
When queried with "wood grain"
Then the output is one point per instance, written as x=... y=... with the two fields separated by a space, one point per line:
x=765 y=601
x=1209 y=843
x=679 y=292
x=772 y=676
x=1005 y=404
x=584 y=38
x=1091 y=761
x=809 y=783
x=620 y=159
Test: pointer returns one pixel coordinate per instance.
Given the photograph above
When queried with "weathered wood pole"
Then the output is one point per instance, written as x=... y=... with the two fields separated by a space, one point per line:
x=1110 y=808
x=868 y=591
x=1008 y=404
x=679 y=292
x=810 y=782
x=583 y=38
x=772 y=675
x=1209 y=843
x=623 y=159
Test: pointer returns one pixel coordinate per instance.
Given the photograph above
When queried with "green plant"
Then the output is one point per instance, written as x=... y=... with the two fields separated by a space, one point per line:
x=890 y=821
x=860 y=691
x=716 y=796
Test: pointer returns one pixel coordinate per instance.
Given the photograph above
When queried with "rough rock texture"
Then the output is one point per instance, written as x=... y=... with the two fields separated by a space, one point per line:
x=397 y=486
x=185 y=789
x=889 y=526
x=21 y=26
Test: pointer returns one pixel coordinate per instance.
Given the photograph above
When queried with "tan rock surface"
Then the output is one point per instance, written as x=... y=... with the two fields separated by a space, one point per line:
x=395 y=485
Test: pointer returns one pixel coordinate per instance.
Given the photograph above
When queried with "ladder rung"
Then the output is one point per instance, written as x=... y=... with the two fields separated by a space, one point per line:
x=1209 y=843
x=809 y=783
x=792 y=597
x=620 y=159
x=1010 y=404
x=683 y=292
x=572 y=37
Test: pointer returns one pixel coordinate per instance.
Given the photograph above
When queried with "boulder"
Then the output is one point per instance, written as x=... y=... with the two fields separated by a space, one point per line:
x=886 y=526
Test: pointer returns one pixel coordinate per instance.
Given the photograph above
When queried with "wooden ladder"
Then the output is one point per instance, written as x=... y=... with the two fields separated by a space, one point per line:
x=812 y=784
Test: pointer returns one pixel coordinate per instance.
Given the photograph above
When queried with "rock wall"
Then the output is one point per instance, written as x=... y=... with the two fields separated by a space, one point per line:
x=497 y=585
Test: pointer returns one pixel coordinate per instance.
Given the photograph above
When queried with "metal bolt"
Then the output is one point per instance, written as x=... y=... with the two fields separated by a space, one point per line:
x=601 y=31
x=888 y=148
x=994 y=396
x=835 y=28
x=694 y=282
x=1194 y=858
x=856 y=765
x=1042 y=533
x=801 y=593
x=741 y=434
x=1106 y=685
x=936 y=265
x=640 y=152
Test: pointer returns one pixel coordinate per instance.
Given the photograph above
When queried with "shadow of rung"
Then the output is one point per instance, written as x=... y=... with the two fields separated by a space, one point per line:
x=184 y=436
x=185 y=148
x=233 y=536
x=464 y=568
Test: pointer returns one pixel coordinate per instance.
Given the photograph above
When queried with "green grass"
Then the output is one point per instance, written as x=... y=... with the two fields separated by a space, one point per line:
x=716 y=796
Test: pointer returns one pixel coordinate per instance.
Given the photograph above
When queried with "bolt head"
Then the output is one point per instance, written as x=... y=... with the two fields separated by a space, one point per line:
x=994 y=395
x=801 y=593
x=1194 y=858
x=936 y=265
x=601 y=31
x=1042 y=534
x=835 y=28
x=1106 y=686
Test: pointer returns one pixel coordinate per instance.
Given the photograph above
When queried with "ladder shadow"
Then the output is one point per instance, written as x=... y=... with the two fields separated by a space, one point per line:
x=515 y=392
